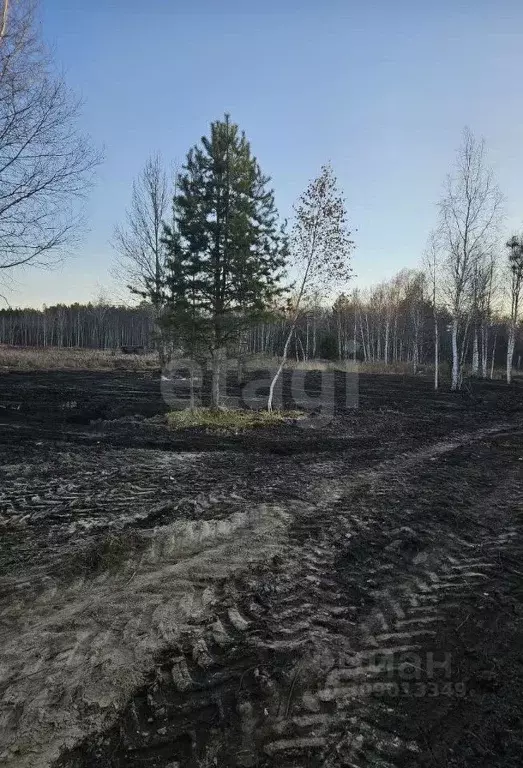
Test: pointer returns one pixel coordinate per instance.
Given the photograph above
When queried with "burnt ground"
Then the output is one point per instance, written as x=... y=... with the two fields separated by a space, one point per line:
x=350 y=595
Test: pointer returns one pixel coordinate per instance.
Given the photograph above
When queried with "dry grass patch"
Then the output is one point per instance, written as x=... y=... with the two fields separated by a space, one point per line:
x=56 y=358
x=348 y=366
x=259 y=362
x=229 y=419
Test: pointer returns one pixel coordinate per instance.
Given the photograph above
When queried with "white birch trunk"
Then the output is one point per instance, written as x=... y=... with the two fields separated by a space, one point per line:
x=493 y=356
x=280 y=367
x=355 y=337
x=475 y=353
x=455 y=355
x=307 y=339
x=510 y=352
x=365 y=356
x=484 y=350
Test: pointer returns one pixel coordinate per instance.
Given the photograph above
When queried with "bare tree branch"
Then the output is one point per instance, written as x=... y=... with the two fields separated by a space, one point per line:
x=138 y=243
x=141 y=253
x=46 y=165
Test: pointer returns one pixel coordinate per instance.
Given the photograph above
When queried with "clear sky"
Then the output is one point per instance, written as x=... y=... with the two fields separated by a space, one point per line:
x=381 y=88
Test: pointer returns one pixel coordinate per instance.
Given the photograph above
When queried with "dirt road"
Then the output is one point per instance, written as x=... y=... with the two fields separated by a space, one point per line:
x=352 y=597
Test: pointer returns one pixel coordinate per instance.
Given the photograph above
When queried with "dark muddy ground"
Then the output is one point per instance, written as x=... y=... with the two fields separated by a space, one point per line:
x=343 y=596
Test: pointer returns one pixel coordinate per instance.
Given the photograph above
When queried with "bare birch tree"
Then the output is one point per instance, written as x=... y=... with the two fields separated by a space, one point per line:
x=469 y=217
x=141 y=252
x=46 y=164
x=432 y=270
x=321 y=247
x=515 y=268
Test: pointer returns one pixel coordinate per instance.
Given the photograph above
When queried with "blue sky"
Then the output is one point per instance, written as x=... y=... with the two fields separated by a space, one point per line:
x=382 y=89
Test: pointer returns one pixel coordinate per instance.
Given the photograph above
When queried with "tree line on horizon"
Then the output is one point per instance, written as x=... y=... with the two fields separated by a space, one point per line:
x=387 y=324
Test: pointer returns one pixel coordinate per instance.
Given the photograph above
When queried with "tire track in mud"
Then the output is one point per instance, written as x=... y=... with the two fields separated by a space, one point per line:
x=404 y=593
x=288 y=672
x=74 y=653
x=54 y=509
x=347 y=718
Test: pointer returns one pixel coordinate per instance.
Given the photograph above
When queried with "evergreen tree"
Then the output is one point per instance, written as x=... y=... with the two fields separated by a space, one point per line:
x=227 y=252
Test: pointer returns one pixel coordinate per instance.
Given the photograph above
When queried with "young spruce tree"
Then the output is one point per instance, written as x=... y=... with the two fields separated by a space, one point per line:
x=227 y=252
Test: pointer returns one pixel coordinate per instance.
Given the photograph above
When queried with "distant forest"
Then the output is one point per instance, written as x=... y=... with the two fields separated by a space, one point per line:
x=390 y=323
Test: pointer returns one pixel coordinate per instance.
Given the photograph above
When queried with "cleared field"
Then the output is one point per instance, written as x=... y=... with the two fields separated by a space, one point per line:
x=350 y=595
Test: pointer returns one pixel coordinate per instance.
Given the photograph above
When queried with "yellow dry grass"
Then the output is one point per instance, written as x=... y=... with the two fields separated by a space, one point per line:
x=55 y=358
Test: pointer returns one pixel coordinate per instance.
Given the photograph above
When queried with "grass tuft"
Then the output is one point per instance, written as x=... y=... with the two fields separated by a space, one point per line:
x=233 y=420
